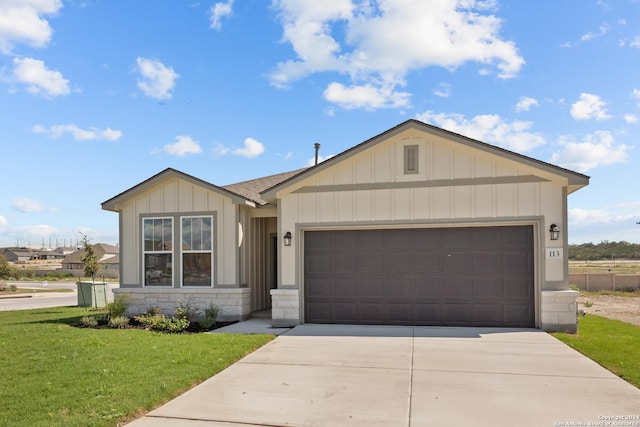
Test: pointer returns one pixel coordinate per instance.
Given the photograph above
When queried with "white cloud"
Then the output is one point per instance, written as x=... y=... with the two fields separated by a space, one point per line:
x=635 y=42
x=489 y=128
x=219 y=11
x=21 y=21
x=39 y=79
x=366 y=96
x=26 y=205
x=381 y=42
x=607 y=215
x=3 y=221
x=603 y=29
x=251 y=149
x=79 y=134
x=157 y=80
x=589 y=107
x=184 y=145
x=220 y=150
x=594 y=150
x=630 y=118
x=443 y=90
x=525 y=103
x=635 y=94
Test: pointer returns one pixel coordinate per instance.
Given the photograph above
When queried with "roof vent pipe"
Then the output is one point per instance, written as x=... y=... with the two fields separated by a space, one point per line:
x=317 y=147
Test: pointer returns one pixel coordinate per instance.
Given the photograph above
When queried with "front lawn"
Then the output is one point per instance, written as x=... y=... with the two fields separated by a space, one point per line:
x=54 y=374
x=611 y=343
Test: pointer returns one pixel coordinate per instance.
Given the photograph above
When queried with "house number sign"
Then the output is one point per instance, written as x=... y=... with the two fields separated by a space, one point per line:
x=554 y=253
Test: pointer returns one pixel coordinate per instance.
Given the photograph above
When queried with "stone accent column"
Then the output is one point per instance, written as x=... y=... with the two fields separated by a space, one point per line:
x=285 y=308
x=559 y=311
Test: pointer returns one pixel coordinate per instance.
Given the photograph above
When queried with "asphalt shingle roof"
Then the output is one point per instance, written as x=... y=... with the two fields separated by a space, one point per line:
x=251 y=189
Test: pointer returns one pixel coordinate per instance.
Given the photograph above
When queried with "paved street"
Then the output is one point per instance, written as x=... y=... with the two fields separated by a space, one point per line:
x=42 y=300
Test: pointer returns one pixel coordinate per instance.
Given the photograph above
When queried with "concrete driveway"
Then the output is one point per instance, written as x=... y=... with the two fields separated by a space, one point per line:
x=406 y=376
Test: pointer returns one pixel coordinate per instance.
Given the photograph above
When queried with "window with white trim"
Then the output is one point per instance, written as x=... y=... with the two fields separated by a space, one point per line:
x=157 y=251
x=197 y=250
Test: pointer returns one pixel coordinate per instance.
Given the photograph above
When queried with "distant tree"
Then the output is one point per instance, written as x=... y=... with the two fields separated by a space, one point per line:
x=89 y=258
x=6 y=271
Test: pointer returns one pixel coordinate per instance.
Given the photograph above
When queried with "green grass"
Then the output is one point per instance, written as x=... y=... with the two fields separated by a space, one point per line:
x=53 y=374
x=611 y=343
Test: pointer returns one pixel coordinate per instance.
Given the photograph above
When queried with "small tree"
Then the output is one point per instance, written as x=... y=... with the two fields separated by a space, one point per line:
x=89 y=258
x=6 y=271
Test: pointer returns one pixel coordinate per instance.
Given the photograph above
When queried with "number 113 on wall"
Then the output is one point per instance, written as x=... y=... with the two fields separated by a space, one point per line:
x=554 y=253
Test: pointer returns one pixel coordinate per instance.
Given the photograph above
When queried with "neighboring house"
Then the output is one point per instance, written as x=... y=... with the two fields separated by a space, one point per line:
x=108 y=258
x=415 y=226
x=33 y=256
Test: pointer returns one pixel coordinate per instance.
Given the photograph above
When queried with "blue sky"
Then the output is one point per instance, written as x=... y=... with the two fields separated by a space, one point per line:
x=99 y=95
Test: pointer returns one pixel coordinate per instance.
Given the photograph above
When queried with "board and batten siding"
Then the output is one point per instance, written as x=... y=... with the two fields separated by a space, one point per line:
x=176 y=196
x=445 y=190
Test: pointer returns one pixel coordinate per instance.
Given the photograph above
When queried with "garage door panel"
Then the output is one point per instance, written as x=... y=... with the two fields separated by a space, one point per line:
x=365 y=240
x=398 y=287
x=345 y=263
x=346 y=241
x=427 y=262
x=450 y=276
x=488 y=314
x=374 y=313
x=516 y=263
x=518 y=288
x=319 y=288
x=456 y=314
x=428 y=240
x=370 y=264
x=344 y=312
x=320 y=312
x=459 y=239
x=457 y=264
x=487 y=237
x=397 y=263
x=487 y=263
x=455 y=287
x=397 y=239
x=319 y=263
x=518 y=315
x=488 y=288
x=345 y=288
x=400 y=313
x=370 y=287
x=428 y=286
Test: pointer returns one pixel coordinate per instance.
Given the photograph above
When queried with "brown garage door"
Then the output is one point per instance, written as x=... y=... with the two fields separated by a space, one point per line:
x=473 y=276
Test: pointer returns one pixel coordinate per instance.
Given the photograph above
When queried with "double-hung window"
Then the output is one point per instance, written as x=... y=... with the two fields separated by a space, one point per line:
x=197 y=250
x=157 y=251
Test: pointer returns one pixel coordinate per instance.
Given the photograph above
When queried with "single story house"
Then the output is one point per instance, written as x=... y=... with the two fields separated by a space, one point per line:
x=108 y=258
x=415 y=226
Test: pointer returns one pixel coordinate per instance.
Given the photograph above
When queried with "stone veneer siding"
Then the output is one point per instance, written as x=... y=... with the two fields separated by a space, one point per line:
x=233 y=303
x=285 y=308
x=559 y=311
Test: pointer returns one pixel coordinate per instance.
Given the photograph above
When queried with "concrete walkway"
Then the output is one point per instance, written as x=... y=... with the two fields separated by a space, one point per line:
x=338 y=375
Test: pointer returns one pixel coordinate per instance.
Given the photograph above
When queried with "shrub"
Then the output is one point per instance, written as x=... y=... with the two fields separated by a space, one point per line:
x=187 y=310
x=119 y=306
x=118 y=322
x=210 y=317
x=13 y=288
x=89 y=322
x=156 y=321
